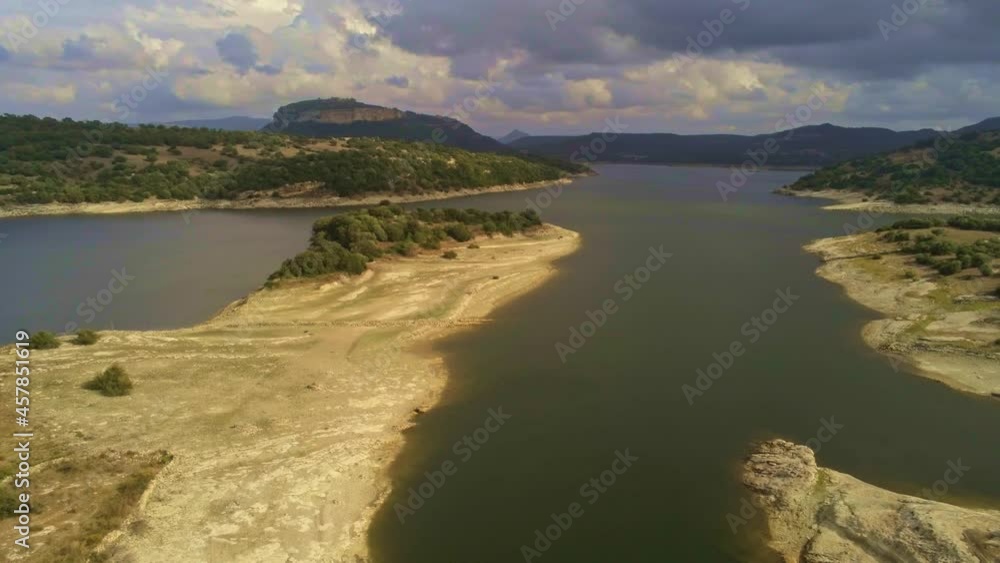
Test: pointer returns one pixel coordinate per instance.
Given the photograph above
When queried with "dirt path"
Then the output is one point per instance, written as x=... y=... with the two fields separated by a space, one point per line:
x=281 y=414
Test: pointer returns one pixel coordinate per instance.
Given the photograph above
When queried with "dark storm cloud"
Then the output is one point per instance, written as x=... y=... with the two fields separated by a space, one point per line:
x=240 y=52
x=237 y=50
x=398 y=81
x=841 y=35
x=82 y=49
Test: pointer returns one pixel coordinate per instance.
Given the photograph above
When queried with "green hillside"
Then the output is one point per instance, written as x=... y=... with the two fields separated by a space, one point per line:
x=48 y=160
x=963 y=169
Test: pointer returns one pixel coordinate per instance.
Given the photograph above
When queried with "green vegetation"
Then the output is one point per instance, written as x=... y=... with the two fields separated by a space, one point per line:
x=933 y=248
x=44 y=340
x=44 y=160
x=963 y=169
x=449 y=255
x=113 y=382
x=86 y=338
x=8 y=501
x=347 y=242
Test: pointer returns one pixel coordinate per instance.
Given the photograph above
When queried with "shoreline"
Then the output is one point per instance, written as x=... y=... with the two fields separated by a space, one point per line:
x=921 y=324
x=282 y=413
x=852 y=201
x=158 y=206
x=818 y=514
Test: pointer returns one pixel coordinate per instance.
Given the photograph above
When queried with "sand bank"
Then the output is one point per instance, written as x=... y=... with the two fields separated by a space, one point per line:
x=281 y=414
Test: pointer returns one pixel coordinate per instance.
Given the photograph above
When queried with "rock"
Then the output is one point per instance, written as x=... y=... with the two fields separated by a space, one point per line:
x=817 y=515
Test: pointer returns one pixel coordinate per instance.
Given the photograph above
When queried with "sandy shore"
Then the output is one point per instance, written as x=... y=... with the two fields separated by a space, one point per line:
x=851 y=201
x=281 y=414
x=155 y=205
x=946 y=328
x=818 y=515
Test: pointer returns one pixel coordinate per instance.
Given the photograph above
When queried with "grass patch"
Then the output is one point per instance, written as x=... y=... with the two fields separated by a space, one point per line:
x=113 y=382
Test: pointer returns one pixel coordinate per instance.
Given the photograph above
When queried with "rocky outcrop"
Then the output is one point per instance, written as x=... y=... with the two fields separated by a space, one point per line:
x=816 y=515
x=347 y=117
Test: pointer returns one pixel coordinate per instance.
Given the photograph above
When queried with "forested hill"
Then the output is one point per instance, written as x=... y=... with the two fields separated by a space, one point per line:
x=949 y=168
x=44 y=160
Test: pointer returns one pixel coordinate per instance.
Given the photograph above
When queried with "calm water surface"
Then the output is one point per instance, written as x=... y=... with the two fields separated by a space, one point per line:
x=620 y=391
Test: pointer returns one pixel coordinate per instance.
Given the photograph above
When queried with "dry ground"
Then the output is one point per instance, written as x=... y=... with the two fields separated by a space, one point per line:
x=947 y=327
x=268 y=428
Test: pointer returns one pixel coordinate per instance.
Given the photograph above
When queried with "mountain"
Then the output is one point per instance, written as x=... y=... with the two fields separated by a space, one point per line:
x=514 y=135
x=347 y=117
x=814 y=145
x=948 y=168
x=991 y=124
x=234 y=123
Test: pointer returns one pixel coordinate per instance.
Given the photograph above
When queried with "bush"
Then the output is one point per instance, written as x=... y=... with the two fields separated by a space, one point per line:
x=949 y=267
x=986 y=269
x=459 y=232
x=113 y=382
x=473 y=246
x=910 y=275
x=86 y=338
x=44 y=340
x=449 y=255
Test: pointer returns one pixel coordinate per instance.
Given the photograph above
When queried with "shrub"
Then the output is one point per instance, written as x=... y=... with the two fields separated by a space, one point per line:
x=949 y=267
x=113 y=382
x=86 y=338
x=473 y=246
x=459 y=232
x=405 y=248
x=8 y=502
x=986 y=269
x=449 y=255
x=44 y=340
x=910 y=275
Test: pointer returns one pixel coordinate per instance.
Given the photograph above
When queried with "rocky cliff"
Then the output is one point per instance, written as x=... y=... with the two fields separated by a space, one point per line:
x=347 y=117
x=816 y=515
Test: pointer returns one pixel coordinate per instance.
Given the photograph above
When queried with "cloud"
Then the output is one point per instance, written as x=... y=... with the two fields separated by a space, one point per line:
x=237 y=50
x=4 y=54
x=82 y=49
x=398 y=81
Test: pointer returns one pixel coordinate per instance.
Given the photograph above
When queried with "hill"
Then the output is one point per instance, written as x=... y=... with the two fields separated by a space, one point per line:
x=955 y=169
x=48 y=160
x=992 y=124
x=514 y=135
x=234 y=123
x=811 y=146
x=347 y=117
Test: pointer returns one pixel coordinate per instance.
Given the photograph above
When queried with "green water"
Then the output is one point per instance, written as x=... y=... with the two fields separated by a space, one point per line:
x=622 y=391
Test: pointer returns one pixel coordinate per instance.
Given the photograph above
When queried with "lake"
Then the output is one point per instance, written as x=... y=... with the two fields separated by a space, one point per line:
x=620 y=388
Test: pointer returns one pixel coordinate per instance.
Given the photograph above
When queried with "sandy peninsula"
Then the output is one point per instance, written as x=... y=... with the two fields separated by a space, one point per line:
x=294 y=197
x=816 y=515
x=947 y=328
x=853 y=201
x=265 y=433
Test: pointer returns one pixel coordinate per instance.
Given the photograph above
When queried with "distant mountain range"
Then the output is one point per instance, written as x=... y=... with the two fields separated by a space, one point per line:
x=809 y=146
x=514 y=135
x=234 y=123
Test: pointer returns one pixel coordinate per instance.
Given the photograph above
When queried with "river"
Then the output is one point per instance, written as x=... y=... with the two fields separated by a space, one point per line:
x=619 y=392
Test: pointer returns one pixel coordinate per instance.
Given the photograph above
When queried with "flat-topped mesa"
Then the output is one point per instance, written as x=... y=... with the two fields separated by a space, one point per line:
x=816 y=515
x=338 y=111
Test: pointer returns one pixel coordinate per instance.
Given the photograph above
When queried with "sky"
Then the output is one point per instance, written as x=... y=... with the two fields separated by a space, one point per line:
x=543 y=66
